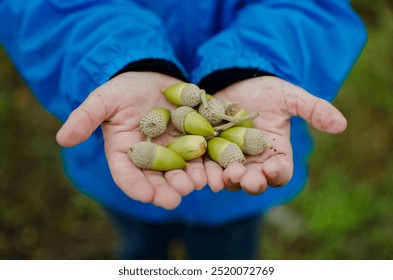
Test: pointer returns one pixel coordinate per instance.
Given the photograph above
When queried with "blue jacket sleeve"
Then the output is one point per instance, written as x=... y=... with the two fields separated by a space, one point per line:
x=65 y=49
x=313 y=43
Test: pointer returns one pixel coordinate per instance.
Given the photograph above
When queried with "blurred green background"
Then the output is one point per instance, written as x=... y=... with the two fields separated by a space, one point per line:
x=345 y=211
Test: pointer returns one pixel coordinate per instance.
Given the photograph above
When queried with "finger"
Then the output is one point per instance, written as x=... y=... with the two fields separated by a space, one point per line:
x=232 y=175
x=254 y=181
x=129 y=178
x=318 y=112
x=82 y=122
x=214 y=175
x=277 y=170
x=164 y=195
x=180 y=181
x=126 y=175
x=196 y=170
x=145 y=185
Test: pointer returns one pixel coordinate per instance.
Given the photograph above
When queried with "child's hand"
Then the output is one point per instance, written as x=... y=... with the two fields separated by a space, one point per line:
x=276 y=100
x=118 y=106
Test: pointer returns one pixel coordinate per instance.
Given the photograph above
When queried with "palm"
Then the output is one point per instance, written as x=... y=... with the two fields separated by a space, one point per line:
x=276 y=101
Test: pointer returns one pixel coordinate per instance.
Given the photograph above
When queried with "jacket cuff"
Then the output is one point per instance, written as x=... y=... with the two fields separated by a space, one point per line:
x=153 y=65
x=220 y=79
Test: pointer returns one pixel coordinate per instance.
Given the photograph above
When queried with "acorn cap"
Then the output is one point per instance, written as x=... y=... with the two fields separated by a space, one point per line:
x=188 y=146
x=147 y=155
x=178 y=116
x=154 y=123
x=183 y=94
x=224 y=152
x=250 y=140
x=254 y=142
x=187 y=120
x=210 y=113
x=231 y=108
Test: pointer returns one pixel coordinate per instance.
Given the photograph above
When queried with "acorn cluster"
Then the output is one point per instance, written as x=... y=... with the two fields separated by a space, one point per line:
x=223 y=129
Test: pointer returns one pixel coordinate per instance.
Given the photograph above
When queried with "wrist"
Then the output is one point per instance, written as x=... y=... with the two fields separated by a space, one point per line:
x=220 y=79
x=153 y=65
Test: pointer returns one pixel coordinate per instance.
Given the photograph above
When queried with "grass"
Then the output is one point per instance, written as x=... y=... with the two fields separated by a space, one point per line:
x=345 y=211
x=41 y=215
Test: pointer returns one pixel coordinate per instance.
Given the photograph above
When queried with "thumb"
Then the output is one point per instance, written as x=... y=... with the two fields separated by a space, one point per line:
x=82 y=122
x=320 y=113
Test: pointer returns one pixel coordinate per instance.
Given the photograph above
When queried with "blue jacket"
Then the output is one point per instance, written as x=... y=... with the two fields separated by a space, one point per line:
x=64 y=49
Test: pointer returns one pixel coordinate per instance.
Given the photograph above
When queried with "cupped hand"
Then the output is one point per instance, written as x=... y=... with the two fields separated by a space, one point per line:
x=118 y=106
x=276 y=100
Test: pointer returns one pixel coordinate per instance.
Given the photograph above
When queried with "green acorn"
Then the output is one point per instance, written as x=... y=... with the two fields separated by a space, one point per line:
x=235 y=110
x=188 y=146
x=147 y=155
x=183 y=94
x=235 y=121
x=215 y=113
x=224 y=152
x=250 y=140
x=154 y=123
x=187 y=120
